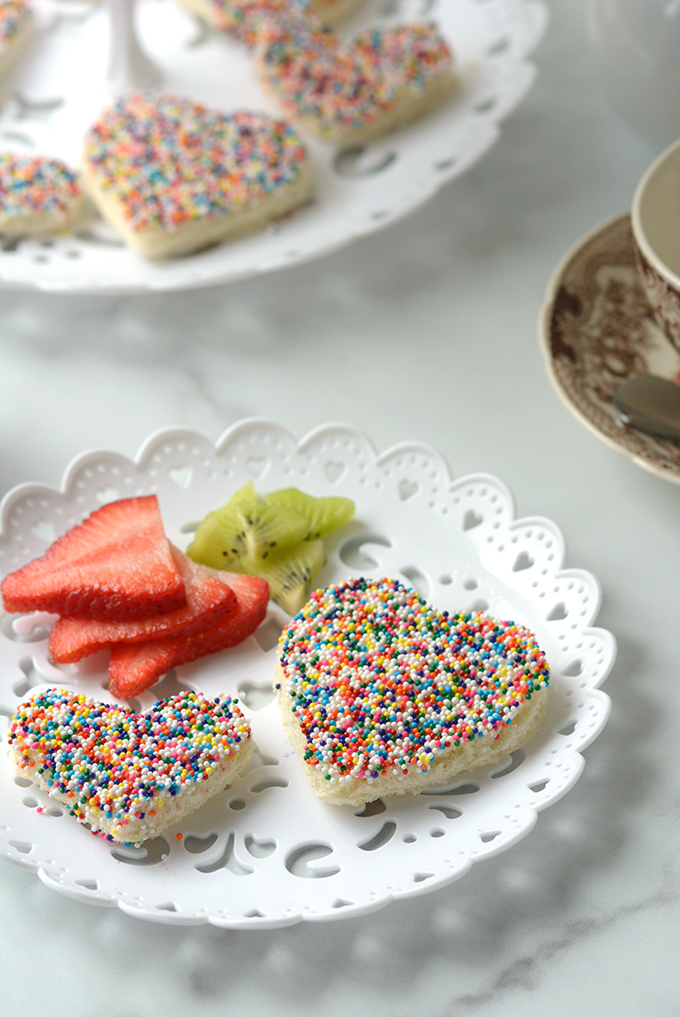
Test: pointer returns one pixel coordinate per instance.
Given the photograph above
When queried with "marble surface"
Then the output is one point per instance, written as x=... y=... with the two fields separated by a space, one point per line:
x=426 y=331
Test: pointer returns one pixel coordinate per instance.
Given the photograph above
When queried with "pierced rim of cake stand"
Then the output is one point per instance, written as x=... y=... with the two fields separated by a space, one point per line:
x=70 y=70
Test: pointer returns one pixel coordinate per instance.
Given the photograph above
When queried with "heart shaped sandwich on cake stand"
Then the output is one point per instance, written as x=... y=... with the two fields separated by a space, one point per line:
x=172 y=175
x=241 y=18
x=350 y=94
x=381 y=694
x=129 y=775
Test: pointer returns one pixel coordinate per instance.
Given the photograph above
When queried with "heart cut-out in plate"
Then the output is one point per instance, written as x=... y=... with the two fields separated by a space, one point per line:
x=407 y=489
x=107 y=495
x=257 y=466
x=44 y=531
x=334 y=471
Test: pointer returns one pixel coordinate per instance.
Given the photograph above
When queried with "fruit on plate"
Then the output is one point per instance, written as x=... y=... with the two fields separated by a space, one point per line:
x=101 y=578
x=207 y=600
x=134 y=667
x=115 y=564
x=278 y=537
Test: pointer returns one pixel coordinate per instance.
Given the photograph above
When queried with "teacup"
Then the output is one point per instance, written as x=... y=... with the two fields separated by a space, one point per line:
x=655 y=217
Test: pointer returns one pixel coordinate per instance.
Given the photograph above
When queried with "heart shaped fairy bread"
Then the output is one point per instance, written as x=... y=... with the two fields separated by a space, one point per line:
x=241 y=18
x=129 y=775
x=37 y=196
x=383 y=695
x=173 y=176
x=350 y=94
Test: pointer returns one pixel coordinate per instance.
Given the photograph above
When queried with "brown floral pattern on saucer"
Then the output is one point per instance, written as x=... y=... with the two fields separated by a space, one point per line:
x=597 y=330
x=664 y=300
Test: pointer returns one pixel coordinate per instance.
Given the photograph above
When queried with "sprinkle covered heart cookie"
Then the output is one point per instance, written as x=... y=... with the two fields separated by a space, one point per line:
x=241 y=18
x=350 y=94
x=129 y=775
x=383 y=695
x=173 y=176
x=38 y=196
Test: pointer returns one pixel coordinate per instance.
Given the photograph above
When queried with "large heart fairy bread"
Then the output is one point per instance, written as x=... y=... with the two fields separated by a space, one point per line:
x=173 y=176
x=129 y=775
x=383 y=695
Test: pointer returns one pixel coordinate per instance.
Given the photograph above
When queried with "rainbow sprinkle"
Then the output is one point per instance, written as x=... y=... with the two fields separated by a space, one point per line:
x=169 y=160
x=115 y=767
x=314 y=76
x=14 y=14
x=379 y=681
x=32 y=184
x=242 y=18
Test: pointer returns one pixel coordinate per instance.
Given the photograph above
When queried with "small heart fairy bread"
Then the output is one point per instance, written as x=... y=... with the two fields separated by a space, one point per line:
x=173 y=176
x=15 y=28
x=383 y=695
x=38 y=196
x=241 y=18
x=350 y=94
x=129 y=775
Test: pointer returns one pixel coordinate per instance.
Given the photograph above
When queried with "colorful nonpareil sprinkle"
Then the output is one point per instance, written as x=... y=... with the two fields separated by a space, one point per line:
x=169 y=160
x=14 y=14
x=241 y=18
x=110 y=764
x=31 y=185
x=314 y=76
x=379 y=681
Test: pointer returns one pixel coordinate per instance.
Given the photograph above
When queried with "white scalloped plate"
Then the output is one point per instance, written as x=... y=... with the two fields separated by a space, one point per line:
x=59 y=87
x=266 y=852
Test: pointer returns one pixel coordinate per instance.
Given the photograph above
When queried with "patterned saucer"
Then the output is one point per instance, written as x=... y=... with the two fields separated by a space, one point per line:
x=596 y=329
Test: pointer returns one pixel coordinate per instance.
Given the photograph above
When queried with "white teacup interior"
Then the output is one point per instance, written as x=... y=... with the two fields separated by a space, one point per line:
x=656 y=215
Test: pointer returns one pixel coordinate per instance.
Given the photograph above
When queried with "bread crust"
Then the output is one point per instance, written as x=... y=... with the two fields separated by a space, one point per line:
x=469 y=756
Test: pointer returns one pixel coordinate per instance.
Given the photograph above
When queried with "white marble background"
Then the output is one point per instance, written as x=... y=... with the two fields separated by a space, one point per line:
x=426 y=331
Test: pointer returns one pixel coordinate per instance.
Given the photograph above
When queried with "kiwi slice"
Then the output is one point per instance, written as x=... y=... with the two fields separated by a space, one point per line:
x=290 y=575
x=277 y=538
x=267 y=528
x=246 y=525
x=219 y=541
x=245 y=493
x=323 y=515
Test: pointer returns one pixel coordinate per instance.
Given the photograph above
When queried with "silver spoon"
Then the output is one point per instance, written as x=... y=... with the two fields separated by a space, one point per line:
x=650 y=404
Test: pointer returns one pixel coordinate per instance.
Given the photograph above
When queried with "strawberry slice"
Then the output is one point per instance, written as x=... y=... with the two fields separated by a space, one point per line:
x=207 y=600
x=135 y=667
x=115 y=564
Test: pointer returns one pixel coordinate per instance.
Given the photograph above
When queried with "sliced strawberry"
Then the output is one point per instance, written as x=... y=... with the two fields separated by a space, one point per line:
x=208 y=599
x=116 y=564
x=134 y=668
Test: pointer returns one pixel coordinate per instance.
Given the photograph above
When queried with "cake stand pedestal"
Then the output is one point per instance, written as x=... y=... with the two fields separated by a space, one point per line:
x=128 y=65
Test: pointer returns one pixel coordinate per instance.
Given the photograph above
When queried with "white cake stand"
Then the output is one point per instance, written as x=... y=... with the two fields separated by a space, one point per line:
x=82 y=54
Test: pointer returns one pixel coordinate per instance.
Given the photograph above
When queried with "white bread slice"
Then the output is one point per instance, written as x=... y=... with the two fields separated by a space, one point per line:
x=382 y=695
x=481 y=752
x=216 y=192
x=351 y=94
x=54 y=743
x=38 y=196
